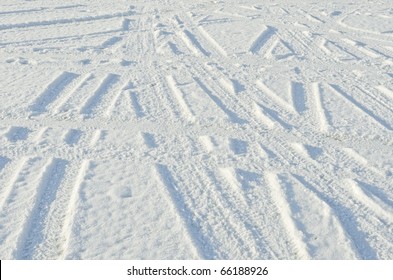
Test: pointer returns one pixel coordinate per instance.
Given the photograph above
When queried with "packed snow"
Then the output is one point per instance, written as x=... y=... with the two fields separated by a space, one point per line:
x=196 y=129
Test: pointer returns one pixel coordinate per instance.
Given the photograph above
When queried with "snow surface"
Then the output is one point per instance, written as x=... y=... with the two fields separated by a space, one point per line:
x=196 y=129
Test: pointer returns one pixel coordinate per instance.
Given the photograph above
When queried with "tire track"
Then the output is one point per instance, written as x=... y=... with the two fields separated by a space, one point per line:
x=262 y=39
x=32 y=233
x=277 y=99
x=171 y=187
x=285 y=213
x=330 y=191
x=52 y=92
x=70 y=102
x=192 y=43
x=387 y=92
x=113 y=101
x=185 y=108
x=320 y=112
x=9 y=178
x=335 y=195
x=243 y=227
x=233 y=117
x=90 y=107
x=279 y=50
x=224 y=234
x=22 y=190
x=70 y=203
x=380 y=208
x=322 y=232
x=337 y=89
x=357 y=160
x=366 y=252
x=64 y=21
x=212 y=41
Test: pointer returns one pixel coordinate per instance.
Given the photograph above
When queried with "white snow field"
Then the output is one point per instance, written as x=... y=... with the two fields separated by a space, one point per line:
x=196 y=129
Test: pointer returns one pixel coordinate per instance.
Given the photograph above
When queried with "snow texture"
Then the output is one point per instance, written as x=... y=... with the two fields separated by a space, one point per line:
x=196 y=129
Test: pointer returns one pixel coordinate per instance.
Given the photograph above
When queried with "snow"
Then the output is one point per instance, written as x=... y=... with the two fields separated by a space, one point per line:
x=196 y=129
